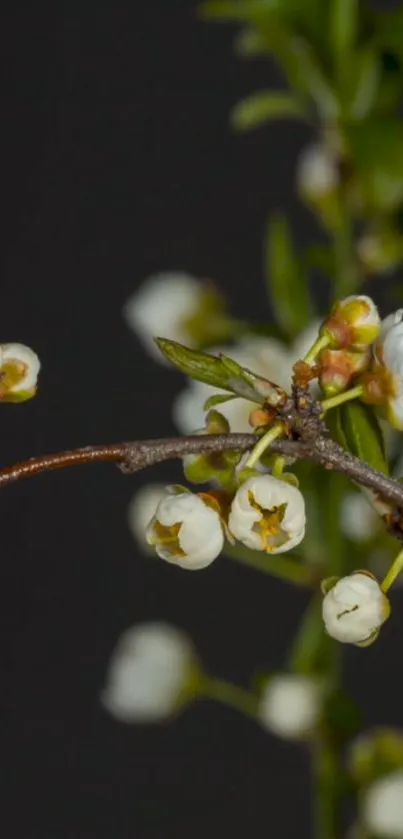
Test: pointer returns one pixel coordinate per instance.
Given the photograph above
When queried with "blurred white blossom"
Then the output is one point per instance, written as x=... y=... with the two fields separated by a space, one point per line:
x=268 y=514
x=290 y=705
x=382 y=806
x=359 y=521
x=187 y=530
x=389 y=353
x=354 y=608
x=148 y=674
x=265 y=356
x=317 y=171
x=141 y=509
x=174 y=305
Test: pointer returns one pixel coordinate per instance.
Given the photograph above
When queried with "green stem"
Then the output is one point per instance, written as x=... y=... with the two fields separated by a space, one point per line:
x=320 y=344
x=231 y=695
x=395 y=569
x=264 y=442
x=334 y=401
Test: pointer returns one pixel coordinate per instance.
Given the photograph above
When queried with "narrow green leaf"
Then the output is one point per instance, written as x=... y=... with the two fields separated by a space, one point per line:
x=220 y=372
x=357 y=429
x=376 y=147
x=343 y=27
x=361 y=84
x=218 y=399
x=288 y=290
x=263 y=106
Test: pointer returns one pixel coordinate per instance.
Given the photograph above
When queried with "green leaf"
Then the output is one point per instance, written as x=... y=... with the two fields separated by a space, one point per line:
x=376 y=146
x=263 y=106
x=218 y=399
x=361 y=80
x=249 y=43
x=221 y=372
x=288 y=289
x=343 y=27
x=355 y=426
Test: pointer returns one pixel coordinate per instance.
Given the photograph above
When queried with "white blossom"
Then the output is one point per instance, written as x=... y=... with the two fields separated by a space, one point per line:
x=187 y=530
x=148 y=673
x=389 y=353
x=359 y=521
x=267 y=357
x=163 y=305
x=355 y=608
x=290 y=705
x=267 y=514
x=317 y=171
x=141 y=510
x=382 y=806
x=19 y=368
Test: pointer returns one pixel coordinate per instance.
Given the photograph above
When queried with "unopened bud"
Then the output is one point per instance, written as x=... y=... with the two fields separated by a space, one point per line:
x=353 y=323
x=339 y=367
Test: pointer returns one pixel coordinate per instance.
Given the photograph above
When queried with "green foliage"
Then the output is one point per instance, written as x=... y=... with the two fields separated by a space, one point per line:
x=287 y=285
x=356 y=427
x=264 y=106
x=219 y=371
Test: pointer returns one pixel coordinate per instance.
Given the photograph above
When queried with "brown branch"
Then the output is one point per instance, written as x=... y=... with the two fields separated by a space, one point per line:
x=132 y=457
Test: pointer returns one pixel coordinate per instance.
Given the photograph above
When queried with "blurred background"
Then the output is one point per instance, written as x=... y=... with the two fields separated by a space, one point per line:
x=118 y=161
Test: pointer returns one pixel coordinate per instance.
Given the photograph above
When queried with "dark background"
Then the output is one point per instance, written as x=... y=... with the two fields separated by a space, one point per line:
x=117 y=161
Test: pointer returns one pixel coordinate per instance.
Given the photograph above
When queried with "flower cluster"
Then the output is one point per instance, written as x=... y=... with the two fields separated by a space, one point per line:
x=264 y=514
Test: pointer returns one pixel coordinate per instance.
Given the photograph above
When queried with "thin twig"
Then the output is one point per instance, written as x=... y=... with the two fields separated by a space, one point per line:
x=134 y=456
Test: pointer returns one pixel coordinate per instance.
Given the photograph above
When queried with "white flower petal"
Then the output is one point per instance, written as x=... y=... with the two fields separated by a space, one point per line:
x=268 y=493
x=354 y=608
x=382 y=806
x=24 y=355
x=141 y=509
x=317 y=172
x=200 y=535
x=358 y=519
x=161 y=306
x=148 y=671
x=290 y=705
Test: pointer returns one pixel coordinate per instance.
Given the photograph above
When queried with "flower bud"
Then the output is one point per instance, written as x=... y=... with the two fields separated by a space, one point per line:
x=178 y=306
x=353 y=323
x=354 y=608
x=290 y=705
x=382 y=806
x=339 y=367
x=187 y=530
x=152 y=672
x=267 y=514
x=19 y=369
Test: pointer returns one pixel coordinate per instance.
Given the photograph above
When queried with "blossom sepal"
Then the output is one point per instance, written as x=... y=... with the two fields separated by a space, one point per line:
x=339 y=367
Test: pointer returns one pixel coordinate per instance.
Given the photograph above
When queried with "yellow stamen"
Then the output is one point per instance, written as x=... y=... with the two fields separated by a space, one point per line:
x=168 y=537
x=269 y=525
